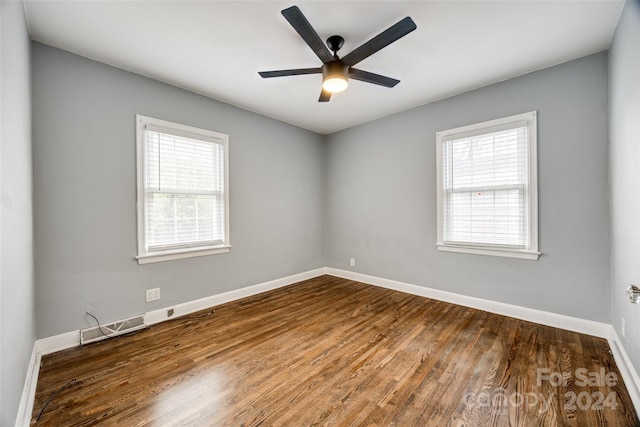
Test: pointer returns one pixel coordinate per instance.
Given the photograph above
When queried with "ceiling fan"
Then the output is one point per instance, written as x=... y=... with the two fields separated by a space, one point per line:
x=336 y=71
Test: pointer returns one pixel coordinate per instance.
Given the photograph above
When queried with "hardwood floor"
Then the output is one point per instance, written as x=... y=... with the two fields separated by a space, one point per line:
x=330 y=351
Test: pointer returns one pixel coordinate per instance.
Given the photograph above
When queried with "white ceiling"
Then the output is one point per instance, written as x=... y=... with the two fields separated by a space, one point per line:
x=216 y=48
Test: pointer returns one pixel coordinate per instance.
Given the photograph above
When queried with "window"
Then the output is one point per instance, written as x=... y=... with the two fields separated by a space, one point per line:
x=487 y=188
x=183 y=191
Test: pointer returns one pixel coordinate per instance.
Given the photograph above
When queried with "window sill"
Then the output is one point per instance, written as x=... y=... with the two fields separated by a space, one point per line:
x=476 y=250
x=191 y=253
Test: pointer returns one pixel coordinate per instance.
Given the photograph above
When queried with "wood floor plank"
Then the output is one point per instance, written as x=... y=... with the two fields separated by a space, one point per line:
x=330 y=351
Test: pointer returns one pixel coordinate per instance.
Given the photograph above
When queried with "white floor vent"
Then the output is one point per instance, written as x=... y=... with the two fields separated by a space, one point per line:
x=112 y=329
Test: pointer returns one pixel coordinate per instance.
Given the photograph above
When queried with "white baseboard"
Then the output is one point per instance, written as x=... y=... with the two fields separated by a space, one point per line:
x=575 y=324
x=72 y=339
x=628 y=372
x=583 y=326
x=58 y=342
x=599 y=329
x=23 y=418
x=160 y=315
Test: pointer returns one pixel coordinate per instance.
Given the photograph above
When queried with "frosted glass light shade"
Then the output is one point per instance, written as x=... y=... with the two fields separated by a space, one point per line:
x=335 y=84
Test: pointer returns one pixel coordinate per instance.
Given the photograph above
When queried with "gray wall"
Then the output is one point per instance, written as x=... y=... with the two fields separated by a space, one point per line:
x=380 y=194
x=624 y=117
x=17 y=320
x=381 y=184
x=85 y=212
x=366 y=192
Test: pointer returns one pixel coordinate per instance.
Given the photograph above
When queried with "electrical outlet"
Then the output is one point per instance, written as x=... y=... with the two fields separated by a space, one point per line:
x=153 y=294
x=622 y=327
x=170 y=312
x=352 y=262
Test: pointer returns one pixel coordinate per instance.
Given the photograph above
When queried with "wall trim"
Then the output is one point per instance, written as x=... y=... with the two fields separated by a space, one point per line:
x=23 y=418
x=629 y=374
x=603 y=330
x=59 y=342
x=71 y=339
x=160 y=315
x=574 y=324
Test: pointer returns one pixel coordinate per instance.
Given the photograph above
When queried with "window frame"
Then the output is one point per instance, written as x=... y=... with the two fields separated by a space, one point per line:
x=187 y=250
x=530 y=252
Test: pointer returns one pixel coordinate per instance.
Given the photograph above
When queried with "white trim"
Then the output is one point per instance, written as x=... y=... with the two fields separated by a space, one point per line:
x=629 y=374
x=57 y=342
x=575 y=324
x=72 y=339
x=603 y=330
x=160 y=315
x=168 y=256
x=508 y=253
x=144 y=255
x=25 y=409
x=528 y=120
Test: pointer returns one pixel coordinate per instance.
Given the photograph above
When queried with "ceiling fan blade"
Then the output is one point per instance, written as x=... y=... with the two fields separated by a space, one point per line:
x=294 y=72
x=308 y=34
x=385 y=38
x=376 y=79
x=325 y=96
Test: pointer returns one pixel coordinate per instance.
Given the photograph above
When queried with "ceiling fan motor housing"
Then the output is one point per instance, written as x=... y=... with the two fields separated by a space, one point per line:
x=334 y=69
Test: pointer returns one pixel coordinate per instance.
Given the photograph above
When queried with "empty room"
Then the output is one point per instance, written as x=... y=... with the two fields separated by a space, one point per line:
x=346 y=213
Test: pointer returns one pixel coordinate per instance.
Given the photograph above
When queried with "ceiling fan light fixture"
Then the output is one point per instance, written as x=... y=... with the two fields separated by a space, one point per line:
x=334 y=76
x=335 y=70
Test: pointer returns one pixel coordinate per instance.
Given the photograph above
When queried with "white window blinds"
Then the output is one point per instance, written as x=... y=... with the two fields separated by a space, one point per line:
x=184 y=186
x=182 y=200
x=487 y=189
